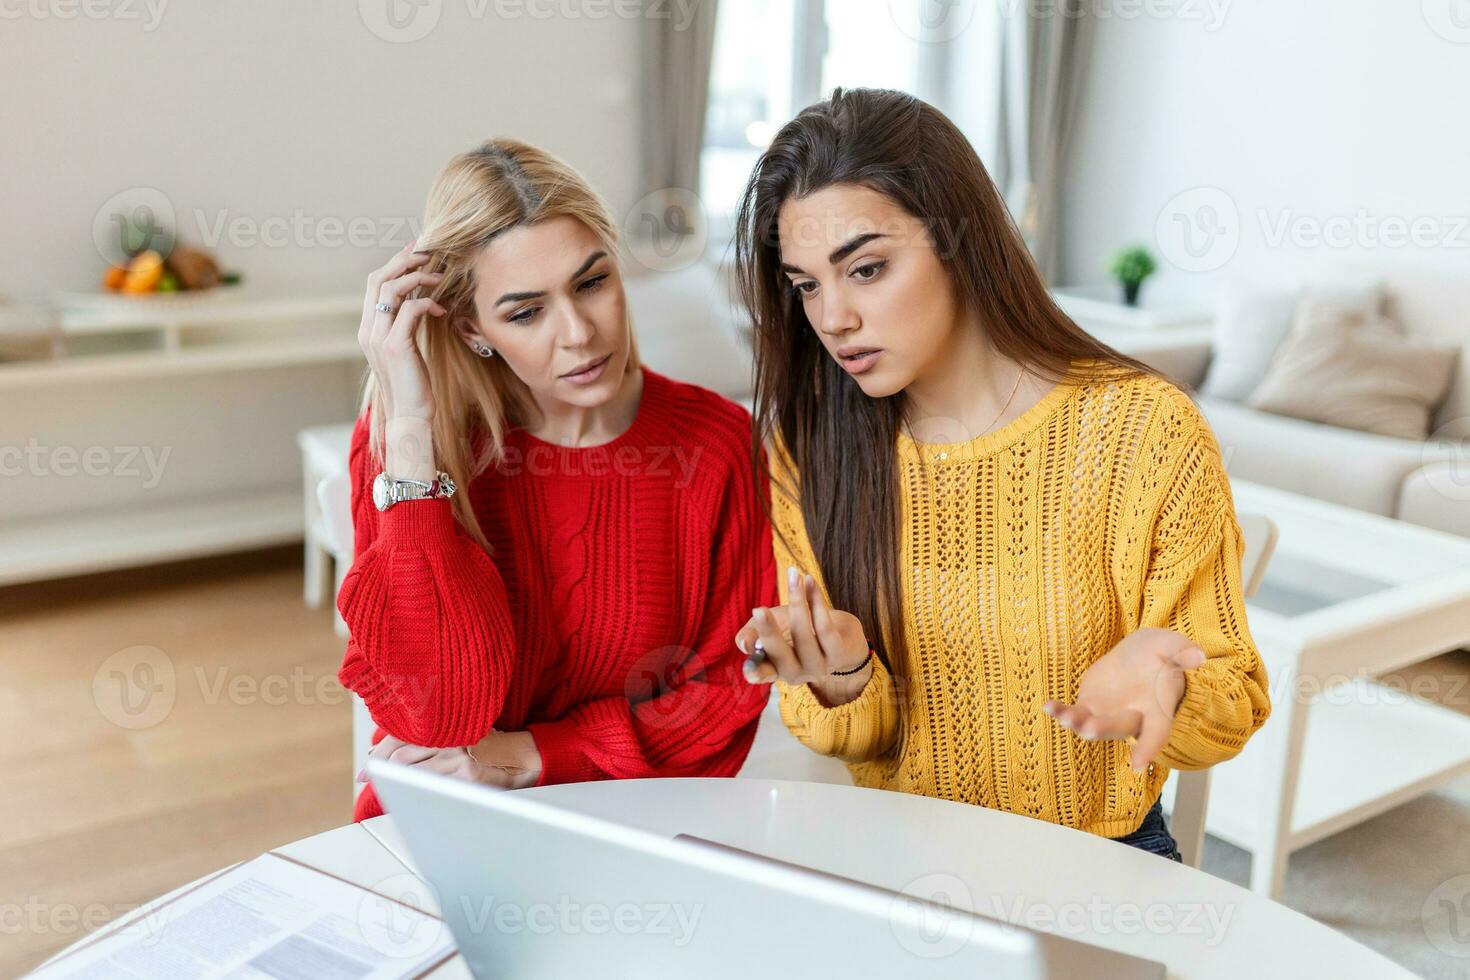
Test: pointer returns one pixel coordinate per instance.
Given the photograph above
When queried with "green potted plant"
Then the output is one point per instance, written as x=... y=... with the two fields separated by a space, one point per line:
x=1131 y=267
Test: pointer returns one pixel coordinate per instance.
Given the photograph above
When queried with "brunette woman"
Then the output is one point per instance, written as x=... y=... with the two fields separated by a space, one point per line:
x=1008 y=554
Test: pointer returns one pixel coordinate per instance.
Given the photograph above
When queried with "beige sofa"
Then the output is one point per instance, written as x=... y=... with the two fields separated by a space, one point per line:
x=1425 y=482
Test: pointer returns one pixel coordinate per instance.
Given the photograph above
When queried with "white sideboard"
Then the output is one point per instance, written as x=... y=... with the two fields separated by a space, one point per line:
x=160 y=429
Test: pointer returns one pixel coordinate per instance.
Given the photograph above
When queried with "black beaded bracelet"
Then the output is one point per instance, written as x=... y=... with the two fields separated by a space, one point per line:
x=846 y=673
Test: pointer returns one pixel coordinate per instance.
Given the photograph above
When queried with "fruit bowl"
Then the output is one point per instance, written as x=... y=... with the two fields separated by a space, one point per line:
x=182 y=270
x=102 y=300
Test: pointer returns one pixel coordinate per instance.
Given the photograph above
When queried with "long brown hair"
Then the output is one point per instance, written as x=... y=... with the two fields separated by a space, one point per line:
x=840 y=442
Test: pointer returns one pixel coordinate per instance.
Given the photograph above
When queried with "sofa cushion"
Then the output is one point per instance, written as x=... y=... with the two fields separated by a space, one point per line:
x=1251 y=321
x=1249 y=325
x=1356 y=469
x=689 y=329
x=1438 y=496
x=1436 y=309
x=1356 y=370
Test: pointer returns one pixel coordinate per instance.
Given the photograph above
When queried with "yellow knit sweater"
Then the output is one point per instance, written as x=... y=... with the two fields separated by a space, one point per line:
x=1027 y=553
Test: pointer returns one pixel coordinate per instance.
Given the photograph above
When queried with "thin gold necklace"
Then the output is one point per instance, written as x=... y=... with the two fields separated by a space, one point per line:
x=942 y=456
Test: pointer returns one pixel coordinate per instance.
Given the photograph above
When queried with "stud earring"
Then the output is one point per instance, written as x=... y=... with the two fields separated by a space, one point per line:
x=484 y=350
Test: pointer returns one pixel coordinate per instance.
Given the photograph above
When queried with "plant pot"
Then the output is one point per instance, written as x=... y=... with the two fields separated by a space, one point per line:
x=1130 y=292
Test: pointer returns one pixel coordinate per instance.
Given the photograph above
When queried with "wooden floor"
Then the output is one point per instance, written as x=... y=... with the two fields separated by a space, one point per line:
x=97 y=816
x=106 y=802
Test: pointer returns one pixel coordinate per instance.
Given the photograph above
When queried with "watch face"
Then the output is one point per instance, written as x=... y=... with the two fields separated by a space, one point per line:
x=380 y=492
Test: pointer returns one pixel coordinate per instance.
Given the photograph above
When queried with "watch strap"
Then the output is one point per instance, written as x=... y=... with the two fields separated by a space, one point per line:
x=396 y=491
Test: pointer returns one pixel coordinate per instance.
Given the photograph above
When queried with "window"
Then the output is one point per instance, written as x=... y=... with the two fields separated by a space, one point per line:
x=774 y=57
x=751 y=89
x=866 y=48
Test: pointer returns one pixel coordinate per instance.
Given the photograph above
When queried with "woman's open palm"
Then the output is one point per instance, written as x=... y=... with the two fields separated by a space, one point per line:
x=1132 y=691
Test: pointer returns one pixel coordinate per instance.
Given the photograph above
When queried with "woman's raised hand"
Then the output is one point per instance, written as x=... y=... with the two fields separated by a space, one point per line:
x=806 y=642
x=387 y=338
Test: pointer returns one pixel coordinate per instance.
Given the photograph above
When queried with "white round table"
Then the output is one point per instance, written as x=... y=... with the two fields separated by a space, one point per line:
x=1025 y=871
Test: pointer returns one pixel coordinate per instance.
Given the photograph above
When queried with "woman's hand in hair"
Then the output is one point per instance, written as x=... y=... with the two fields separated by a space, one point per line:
x=1132 y=691
x=393 y=355
x=804 y=641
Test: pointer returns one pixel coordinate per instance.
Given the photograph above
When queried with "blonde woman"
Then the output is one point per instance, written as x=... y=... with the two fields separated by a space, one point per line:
x=554 y=543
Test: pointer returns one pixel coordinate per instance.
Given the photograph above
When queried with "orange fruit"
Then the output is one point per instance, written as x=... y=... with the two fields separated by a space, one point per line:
x=144 y=272
x=113 y=277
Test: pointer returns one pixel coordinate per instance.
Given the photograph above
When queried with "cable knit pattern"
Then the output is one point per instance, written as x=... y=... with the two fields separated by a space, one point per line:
x=604 y=622
x=1027 y=553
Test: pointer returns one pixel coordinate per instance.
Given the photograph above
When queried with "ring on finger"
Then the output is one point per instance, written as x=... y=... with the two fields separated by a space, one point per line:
x=385 y=307
x=757 y=652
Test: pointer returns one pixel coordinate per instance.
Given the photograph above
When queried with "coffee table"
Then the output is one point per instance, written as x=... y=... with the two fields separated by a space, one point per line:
x=1347 y=597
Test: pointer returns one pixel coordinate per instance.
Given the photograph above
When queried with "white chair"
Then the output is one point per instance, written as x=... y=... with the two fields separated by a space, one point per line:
x=323 y=453
x=334 y=508
x=334 y=532
x=1192 y=789
x=329 y=542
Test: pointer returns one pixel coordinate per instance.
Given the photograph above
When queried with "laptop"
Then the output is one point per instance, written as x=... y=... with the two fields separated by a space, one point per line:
x=531 y=889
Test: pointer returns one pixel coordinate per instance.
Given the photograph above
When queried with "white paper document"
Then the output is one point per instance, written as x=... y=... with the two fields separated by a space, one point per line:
x=271 y=917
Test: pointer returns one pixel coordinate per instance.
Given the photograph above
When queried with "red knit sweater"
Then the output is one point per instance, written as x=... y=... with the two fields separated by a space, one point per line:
x=602 y=621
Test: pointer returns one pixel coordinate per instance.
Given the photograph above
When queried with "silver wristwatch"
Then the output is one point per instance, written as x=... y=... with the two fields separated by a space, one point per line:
x=387 y=491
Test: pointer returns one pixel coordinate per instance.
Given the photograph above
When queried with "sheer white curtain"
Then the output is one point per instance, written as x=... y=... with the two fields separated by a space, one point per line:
x=1043 y=53
x=678 y=47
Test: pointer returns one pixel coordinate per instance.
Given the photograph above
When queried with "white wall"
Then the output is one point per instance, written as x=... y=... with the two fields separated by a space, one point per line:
x=285 y=112
x=1346 y=116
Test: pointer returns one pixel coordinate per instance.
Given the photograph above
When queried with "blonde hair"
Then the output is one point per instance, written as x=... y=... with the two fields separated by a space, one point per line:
x=479 y=195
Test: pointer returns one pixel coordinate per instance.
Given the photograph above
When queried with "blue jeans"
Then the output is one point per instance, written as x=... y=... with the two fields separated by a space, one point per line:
x=1153 y=835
